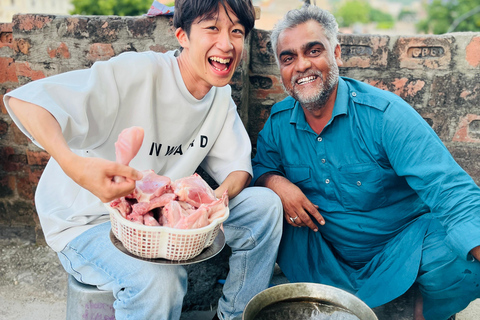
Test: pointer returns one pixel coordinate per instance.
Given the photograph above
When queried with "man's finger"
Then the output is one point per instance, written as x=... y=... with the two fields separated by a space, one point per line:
x=316 y=214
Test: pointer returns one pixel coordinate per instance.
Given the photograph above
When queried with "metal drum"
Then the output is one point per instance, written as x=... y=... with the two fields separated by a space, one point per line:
x=312 y=301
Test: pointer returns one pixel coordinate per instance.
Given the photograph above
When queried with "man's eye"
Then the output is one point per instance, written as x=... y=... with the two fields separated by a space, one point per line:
x=314 y=52
x=212 y=28
x=239 y=31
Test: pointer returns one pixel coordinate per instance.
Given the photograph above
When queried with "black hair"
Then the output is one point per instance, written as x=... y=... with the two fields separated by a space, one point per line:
x=186 y=11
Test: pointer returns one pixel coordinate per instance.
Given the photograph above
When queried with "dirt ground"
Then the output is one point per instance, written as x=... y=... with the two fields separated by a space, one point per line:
x=33 y=285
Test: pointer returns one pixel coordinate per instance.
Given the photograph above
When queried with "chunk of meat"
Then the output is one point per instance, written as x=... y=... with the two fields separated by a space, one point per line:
x=157 y=202
x=129 y=142
x=181 y=215
x=193 y=190
x=151 y=186
x=188 y=203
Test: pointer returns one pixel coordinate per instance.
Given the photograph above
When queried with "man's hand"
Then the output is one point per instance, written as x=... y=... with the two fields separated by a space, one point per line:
x=297 y=209
x=97 y=176
x=476 y=253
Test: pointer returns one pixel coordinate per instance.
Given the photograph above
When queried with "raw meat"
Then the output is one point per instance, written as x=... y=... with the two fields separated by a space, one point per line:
x=187 y=203
x=193 y=190
x=151 y=186
x=129 y=142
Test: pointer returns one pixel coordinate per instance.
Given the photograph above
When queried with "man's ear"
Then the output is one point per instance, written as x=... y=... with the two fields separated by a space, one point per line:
x=182 y=37
x=338 y=55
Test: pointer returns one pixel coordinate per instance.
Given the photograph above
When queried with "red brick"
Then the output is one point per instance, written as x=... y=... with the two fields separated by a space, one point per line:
x=6 y=27
x=29 y=22
x=18 y=137
x=22 y=46
x=25 y=188
x=6 y=37
x=7 y=186
x=34 y=175
x=424 y=52
x=100 y=51
x=2 y=106
x=23 y=69
x=11 y=161
x=37 y=157
x=462 y=134
x=472 y=52
x=3 y=128
x=61 y=52
x=7 y=70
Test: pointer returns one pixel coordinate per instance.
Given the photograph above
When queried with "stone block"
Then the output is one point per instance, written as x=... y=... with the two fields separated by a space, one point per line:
x=262 y=58
x=412 y=90
x=364 y=51
x=19 y=213
x=429 y=52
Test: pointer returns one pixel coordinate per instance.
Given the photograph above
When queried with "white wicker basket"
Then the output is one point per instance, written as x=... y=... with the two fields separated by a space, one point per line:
x=154 y=242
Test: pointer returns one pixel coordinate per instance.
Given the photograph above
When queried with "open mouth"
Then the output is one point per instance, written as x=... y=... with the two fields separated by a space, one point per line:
x=220 y=64
x=306 y=80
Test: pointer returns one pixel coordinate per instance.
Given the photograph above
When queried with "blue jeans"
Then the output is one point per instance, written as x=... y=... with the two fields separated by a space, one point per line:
x=149 y=291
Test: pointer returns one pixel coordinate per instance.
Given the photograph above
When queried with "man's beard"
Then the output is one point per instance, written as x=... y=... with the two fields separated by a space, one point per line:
x=317 y=100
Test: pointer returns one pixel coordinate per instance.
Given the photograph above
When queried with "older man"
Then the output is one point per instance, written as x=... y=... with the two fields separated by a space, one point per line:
x=373 y=201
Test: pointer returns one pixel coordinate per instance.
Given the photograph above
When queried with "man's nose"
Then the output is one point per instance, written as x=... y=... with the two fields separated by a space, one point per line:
x=303 y=64
x=224 y=42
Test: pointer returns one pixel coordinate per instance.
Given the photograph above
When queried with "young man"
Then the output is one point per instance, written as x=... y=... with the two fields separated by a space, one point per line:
x=373 y=201
x=182 y=100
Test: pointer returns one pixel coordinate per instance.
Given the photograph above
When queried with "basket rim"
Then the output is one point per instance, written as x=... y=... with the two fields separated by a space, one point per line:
x=120 y=219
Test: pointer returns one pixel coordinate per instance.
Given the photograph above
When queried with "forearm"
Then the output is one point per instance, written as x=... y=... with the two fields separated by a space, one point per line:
x=234 y=183
x=270 y=180
x=45 y=129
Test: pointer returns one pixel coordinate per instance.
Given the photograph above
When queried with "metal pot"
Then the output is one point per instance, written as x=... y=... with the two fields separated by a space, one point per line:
x=283 y=299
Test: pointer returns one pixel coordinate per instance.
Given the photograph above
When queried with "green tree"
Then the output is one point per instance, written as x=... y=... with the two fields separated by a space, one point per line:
x=360 y=11
x=351 y=12
x=111 y=7
x=460 y=15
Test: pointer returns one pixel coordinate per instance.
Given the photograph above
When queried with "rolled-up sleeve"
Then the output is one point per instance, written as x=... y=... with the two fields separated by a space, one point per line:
x=267 y=158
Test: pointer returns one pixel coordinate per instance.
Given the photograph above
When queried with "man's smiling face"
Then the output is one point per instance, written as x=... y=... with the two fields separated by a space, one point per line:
x=308 y=63
x=211 y=51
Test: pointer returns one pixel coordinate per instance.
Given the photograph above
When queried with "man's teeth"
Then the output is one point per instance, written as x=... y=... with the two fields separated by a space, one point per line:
x=222 y=61
x=306 y=80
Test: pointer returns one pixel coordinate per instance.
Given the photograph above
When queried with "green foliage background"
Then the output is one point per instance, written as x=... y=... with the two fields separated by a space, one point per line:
x=111 y=7
x=442 y=13
x=360 y=11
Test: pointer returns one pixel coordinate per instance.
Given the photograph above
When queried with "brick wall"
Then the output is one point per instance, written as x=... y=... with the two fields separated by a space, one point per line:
x=438 y=75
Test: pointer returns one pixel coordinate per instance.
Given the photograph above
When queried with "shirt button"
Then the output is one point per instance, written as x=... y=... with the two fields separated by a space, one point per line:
x=323 y=160
x=359 y=183
x=327 y=181
x=319 y=139
x=354 y=94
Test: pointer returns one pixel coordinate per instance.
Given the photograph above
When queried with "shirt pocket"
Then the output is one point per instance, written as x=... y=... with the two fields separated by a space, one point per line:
x=298 y=174
x=361 y=187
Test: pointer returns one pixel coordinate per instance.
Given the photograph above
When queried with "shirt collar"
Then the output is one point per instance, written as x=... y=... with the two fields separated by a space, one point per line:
x=340 y=107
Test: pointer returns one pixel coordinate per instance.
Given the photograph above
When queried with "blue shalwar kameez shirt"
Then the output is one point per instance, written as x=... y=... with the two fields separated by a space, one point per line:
x=381 y=178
